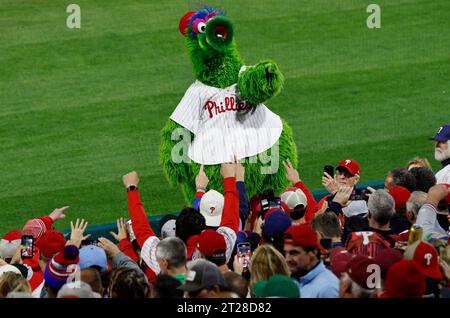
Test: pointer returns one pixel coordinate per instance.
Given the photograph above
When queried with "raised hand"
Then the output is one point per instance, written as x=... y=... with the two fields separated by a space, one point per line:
x=77 y=232
x=291 y=174
x=329 y=183
x=228 y=170
x=343 y=195
x=110 y=248
x=121 y=230
x=322 y=209
x=130 y=179
x=58 y=213
x=17 y=256
x=201 y=180
x=240 y=172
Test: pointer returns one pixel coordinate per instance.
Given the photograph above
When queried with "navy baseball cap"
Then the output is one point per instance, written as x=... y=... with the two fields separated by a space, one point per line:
x=443 y=133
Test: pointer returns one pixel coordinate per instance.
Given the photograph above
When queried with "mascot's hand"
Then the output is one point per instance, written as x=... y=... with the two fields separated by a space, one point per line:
x=261 y=82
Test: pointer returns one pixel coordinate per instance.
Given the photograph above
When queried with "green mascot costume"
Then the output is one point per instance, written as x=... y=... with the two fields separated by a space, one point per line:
x=222 y=115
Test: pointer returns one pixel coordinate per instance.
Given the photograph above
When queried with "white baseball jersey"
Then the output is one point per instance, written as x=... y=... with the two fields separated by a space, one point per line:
x=443 y=175
x=223 y=126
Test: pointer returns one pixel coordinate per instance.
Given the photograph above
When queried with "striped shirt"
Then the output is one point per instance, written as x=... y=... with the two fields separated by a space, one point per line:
x=223 y=125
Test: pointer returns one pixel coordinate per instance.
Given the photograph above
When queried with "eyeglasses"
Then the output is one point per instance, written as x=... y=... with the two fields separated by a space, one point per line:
x=344 y=173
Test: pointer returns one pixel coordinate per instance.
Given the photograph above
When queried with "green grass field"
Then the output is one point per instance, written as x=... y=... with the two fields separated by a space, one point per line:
x=81 y=107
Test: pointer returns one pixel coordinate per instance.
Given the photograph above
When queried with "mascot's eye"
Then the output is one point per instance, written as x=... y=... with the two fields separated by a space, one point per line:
x=201 y=27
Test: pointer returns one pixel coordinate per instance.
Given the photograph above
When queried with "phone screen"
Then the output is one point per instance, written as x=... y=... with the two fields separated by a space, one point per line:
x=244 y=252
x=359 y=194
x=130 y=231
x=268 y=203
x=28 y=246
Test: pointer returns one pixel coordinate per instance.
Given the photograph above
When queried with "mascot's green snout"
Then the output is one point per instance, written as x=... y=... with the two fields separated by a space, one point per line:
x=222 y=114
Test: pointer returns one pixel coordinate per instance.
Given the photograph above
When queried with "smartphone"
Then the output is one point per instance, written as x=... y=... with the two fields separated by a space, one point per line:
x=267 y=204
x=360 y=194
x=130 y=231
x=28 y=247
x=244 y=251
x=326 y=243
x=329 y=169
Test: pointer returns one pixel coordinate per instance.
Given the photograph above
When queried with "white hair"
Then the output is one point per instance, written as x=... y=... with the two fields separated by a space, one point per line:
x=381 y=206
x=440 y=154
x=415 y=202
x=173 y=250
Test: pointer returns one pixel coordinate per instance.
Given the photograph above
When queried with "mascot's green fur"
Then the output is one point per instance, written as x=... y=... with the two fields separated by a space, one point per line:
x=217 y=63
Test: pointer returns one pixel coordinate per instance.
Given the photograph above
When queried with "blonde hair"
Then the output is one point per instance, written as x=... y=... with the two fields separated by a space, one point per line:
x=13 y=282
x=266 y=262
x=417 y=161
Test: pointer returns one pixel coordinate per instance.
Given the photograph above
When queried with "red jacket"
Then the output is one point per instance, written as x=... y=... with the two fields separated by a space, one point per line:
x=148 y=240
x=311 y=207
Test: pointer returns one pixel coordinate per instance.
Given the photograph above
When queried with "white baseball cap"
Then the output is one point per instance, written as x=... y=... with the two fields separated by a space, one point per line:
x=9 y=243
x=211 y=207
x=9 y=268
x=293 y=197
x=168 y=229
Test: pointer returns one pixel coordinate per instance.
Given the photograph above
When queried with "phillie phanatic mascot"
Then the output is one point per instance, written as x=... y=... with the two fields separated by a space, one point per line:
x=222 y=115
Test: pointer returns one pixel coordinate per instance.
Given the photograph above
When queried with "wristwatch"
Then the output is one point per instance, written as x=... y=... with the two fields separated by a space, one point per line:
x=132 y=188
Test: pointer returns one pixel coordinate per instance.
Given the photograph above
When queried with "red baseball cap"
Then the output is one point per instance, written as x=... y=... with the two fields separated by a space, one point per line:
x=13 y=235
x=359 y=270
x=425 y=255
x=302 y=235
x=350 y=165
x=339 y=259
x=210 y=243
x=404 y=280
x=387 y=257
x=51 y=243
x=400 y=195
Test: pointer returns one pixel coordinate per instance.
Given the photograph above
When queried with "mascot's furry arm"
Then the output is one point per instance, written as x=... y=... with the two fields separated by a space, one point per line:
x=260 y=82
x=216 y=62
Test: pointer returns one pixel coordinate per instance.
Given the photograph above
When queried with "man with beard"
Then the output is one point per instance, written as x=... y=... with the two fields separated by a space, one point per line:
x=442 y=153
x=302 y=252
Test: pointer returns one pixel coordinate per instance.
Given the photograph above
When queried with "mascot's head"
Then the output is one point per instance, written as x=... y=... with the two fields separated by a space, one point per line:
x=208 y=28
x=211 y=46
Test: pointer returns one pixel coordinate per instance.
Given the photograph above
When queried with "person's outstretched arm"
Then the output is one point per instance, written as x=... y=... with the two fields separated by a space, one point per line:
x=244 y=204
x=427 y=217
x=145 y=235
x=229 y=224
x=201 y=183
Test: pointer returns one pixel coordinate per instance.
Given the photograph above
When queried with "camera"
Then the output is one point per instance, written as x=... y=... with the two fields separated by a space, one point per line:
x=359 y=194
x=269 y=203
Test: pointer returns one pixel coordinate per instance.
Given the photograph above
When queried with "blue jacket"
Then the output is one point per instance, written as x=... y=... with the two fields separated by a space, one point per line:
x=319 y=283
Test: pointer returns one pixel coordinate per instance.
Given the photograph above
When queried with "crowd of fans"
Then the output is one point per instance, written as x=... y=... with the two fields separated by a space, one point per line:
x=354 y=243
